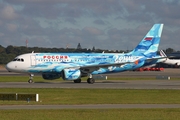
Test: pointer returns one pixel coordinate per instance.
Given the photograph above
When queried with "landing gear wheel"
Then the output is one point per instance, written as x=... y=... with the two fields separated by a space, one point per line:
x=77 y=81
x=30 y=78
x=90 y=80
x=30 y=81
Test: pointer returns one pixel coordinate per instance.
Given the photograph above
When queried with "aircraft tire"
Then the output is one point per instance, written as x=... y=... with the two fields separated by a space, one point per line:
x=30 y=81
x=90 y=80
x=77 y=81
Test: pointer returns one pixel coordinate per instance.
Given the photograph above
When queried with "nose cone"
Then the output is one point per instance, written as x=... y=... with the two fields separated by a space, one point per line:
x=9 y=67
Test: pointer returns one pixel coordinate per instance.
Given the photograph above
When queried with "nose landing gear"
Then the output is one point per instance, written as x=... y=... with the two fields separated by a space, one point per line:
x=30 y=78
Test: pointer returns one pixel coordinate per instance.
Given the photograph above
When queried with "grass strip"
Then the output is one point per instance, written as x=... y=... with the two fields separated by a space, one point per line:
x=92 y=114
x=70 y=96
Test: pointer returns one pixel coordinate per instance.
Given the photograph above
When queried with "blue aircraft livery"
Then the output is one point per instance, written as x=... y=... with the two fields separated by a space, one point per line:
x=73 y=66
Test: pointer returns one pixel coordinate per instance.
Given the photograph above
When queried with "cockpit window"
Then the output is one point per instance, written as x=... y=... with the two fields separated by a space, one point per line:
x=19 y=59
x=15 y=59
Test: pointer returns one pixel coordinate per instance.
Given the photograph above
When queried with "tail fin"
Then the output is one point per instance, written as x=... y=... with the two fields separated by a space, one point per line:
x=149 y=45
x=162 y=53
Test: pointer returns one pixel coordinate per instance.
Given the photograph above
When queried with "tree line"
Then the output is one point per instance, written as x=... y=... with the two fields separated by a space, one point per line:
x=8 y=53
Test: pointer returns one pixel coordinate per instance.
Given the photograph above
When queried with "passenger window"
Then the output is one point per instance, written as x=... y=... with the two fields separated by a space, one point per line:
x=18 y=60
x=22 y=60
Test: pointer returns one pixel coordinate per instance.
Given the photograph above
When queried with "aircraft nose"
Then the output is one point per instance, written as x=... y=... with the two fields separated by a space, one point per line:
x=9 y=67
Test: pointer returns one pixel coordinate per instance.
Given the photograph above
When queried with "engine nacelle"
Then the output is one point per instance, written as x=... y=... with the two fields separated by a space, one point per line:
x=51 y=76
x=71 y=74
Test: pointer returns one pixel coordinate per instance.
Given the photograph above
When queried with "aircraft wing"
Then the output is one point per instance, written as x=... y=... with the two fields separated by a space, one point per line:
x=91 y=68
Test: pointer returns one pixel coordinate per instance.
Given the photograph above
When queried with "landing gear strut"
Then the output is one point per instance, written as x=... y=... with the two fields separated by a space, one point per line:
x=90 y=80
x=31 y=78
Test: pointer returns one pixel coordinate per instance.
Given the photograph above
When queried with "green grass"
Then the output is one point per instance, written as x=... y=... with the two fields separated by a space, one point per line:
x=62 y=96
x=96 y=96
x=93 y=114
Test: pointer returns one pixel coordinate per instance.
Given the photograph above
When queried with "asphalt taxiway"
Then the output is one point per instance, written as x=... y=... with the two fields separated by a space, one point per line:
x=110 y=84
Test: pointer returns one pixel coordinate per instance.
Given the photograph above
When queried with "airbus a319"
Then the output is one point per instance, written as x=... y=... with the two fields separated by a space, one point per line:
x=74 y=66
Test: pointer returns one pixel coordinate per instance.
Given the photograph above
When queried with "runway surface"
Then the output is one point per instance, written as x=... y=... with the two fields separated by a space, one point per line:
x=123 y=84
x=109 y=84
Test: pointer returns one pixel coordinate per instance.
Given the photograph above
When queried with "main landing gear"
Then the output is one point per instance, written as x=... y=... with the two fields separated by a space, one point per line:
x=90 y=80
x=77 y=81
x=30 y=78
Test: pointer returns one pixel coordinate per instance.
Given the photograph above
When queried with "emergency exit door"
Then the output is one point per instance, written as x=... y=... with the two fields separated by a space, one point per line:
x=33 y=60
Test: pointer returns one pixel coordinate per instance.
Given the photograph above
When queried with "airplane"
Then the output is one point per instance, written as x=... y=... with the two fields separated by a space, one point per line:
x=73 y=66
x=169 y=61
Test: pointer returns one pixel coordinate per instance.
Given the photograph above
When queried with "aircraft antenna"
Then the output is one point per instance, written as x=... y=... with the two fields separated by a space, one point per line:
x=26 y=43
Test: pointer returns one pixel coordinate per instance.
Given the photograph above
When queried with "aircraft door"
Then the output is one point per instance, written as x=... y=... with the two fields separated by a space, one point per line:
x=33 y=60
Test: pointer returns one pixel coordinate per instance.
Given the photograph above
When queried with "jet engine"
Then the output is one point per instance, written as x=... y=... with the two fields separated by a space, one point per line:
x=71 y=74
x=51 y=76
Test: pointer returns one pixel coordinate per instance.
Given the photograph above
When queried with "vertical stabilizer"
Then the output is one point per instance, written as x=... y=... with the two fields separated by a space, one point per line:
x=162 y=53
x=149 y=45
